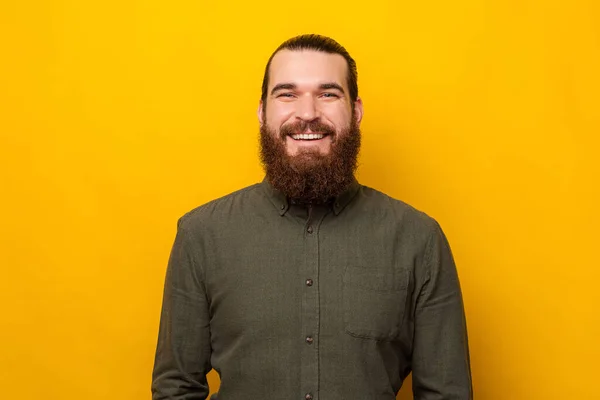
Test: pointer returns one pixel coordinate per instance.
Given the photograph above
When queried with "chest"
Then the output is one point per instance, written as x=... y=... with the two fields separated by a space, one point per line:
x=354 y=276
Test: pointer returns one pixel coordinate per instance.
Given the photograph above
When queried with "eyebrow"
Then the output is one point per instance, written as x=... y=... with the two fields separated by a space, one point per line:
x=283 y=86
x=331 y=85
x=292 y=86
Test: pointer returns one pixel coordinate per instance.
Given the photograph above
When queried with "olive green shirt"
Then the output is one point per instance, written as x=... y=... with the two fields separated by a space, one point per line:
x=289 y=301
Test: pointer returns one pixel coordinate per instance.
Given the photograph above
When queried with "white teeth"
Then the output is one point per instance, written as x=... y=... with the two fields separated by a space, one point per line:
x=308 y=136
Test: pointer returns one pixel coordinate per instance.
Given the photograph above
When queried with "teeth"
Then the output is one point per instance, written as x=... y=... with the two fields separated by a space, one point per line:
x=308 y=136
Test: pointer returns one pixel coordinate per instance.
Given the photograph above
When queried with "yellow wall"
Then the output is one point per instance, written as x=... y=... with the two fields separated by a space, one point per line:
x=116 y=117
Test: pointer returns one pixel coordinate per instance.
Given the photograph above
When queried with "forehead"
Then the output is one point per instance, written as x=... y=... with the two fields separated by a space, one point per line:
x=307 y=67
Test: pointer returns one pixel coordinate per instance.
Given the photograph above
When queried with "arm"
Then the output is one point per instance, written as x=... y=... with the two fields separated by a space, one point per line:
x=183 y=351
x=441 y=365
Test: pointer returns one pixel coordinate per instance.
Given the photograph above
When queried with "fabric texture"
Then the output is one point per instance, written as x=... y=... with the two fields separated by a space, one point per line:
x=293 y=301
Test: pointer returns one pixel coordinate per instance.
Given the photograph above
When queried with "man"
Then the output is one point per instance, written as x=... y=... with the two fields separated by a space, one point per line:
x=309 y=285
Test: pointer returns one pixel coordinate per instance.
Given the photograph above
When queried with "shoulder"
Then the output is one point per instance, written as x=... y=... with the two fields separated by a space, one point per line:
x=221 y=208
x=396 y=210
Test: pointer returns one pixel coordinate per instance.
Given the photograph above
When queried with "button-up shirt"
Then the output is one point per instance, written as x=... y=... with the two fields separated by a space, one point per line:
x=336 y=301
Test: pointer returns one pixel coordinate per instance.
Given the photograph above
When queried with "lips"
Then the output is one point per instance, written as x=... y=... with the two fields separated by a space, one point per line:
x=314 y=130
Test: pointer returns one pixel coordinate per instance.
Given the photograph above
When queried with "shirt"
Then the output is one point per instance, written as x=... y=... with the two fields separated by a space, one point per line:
x=287 y=301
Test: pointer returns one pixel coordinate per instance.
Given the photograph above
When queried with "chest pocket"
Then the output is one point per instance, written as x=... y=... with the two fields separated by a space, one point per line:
x=374 y=303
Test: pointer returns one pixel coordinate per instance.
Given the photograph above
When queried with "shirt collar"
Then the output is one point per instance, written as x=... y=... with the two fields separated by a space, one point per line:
x=282 y=203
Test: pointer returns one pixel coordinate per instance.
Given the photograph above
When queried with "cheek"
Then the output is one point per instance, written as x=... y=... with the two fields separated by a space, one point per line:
x=278 y=113
x=339 y=115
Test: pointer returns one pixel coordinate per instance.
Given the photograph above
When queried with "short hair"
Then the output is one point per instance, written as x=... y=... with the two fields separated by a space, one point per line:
x=317 y=43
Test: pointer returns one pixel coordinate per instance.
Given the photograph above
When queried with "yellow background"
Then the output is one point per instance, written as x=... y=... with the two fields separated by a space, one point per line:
x=116 y=117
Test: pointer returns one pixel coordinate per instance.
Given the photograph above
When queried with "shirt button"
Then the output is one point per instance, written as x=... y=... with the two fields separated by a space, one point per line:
x=309 y=229
x=308 y=396
x=309 y=282
x=309 y=340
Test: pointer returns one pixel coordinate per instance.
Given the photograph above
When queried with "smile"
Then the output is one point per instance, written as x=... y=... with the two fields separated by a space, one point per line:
x=308 y=136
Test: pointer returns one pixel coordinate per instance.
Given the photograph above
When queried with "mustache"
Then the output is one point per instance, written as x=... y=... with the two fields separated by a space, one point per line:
x=303 y=126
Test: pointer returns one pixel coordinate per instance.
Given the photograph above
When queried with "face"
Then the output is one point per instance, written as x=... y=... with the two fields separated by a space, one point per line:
x=309 y=132
x=308 y=105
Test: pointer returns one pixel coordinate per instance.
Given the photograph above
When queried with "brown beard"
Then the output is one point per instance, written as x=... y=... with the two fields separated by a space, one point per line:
x=309 y=176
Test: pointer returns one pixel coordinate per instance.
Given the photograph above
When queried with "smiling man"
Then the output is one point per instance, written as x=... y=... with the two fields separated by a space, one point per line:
x=310 y=285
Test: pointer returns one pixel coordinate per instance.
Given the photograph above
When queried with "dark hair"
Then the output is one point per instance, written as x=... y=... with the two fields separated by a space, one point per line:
x=317 y=43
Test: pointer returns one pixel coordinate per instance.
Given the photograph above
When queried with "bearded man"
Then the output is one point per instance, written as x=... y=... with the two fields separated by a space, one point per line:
x=310 y=285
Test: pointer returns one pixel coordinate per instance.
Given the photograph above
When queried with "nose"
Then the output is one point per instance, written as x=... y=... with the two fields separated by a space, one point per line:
x=307 y=108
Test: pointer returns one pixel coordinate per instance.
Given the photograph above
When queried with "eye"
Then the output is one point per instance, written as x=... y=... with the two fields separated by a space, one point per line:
x=329 y=95
x=286 y=94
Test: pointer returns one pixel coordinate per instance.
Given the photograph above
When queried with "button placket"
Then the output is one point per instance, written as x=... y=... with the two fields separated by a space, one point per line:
x=310 y=303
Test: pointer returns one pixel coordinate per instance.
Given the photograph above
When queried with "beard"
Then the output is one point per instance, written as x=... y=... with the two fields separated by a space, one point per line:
x=309 y=176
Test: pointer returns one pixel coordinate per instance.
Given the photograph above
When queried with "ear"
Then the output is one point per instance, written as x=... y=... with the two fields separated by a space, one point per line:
x=358 y=110
x=259 y=113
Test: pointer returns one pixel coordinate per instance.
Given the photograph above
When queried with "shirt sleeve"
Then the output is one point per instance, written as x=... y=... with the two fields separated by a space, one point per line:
x=183 y=350
x=441 y=365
